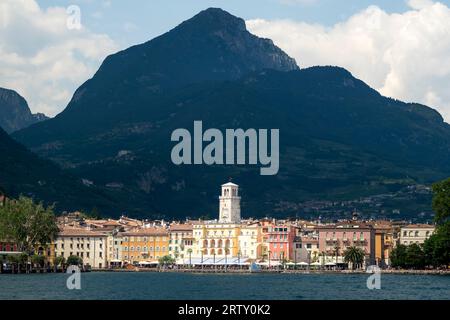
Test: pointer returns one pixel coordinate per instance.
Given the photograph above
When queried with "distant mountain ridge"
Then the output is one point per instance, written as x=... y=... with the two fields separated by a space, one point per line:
x=24 y=173
x=15 y=113
x=339 y=138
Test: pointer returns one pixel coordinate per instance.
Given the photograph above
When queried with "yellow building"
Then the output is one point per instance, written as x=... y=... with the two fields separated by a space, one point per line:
x=48 y=251
x=215 y=240
x=145 y=245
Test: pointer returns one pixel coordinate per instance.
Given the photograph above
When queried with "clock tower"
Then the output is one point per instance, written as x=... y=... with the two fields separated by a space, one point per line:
x=230 y=204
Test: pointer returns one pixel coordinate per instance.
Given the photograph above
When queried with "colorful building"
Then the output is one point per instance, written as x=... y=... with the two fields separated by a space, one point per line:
x=335 y=239
x=280 y=238
x=145 y=245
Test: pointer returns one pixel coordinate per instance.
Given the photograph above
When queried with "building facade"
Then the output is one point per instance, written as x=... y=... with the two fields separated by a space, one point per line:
x=415 y=233
x=335 y=239
x=145 y=245
x=280 y=238
x=90 y=246
x=181 y=241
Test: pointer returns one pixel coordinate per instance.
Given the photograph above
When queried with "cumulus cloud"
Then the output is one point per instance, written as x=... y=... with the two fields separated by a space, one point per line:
x=405 y=56
x=41 y=58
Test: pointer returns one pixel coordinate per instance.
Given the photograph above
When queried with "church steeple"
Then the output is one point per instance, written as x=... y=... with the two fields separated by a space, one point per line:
x=230 y=204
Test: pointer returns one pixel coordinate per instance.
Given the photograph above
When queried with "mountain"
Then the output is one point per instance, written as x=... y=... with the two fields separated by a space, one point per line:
x=15 y=113
x=340 y=140
x=24 y=173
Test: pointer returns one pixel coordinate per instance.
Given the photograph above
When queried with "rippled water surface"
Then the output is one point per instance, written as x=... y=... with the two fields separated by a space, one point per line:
x=185 y=286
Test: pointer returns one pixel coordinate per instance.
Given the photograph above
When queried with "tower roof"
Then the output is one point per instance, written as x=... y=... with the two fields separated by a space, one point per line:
x=230 y=184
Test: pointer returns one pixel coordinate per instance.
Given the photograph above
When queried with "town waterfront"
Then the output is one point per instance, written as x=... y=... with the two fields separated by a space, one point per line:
x=189 y=286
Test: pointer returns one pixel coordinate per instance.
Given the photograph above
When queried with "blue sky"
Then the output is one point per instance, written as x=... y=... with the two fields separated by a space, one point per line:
x=135 y=21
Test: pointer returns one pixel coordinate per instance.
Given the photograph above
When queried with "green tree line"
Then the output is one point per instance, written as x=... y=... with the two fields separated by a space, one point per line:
x=435 y=251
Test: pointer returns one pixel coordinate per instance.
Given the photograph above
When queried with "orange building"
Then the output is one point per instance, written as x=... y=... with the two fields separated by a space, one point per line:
x=384 y=242
x=145 y=245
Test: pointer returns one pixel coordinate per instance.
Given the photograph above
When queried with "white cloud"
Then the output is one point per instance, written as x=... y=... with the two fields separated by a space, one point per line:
x=405 y=56
x=41 y=58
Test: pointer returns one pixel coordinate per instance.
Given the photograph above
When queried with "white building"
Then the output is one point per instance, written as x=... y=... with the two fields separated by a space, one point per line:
x=114 y=241
x=415 y=233
x=250 y=241
x=181 y=241
x=91 y=246
x=218 y=241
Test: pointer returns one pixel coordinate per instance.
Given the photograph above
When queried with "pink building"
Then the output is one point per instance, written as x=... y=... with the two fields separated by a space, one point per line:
x=280 y=239
x=335 y=239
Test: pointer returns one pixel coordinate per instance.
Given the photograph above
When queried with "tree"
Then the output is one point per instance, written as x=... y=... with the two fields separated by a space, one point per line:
x=441 y=201
x=74 y=261
x=437 y=248
x=27 y=224
x=398 y=256
x=59 y=261
x=166 y=260
x=355 y=256
x=38 y=260
x=415 y=257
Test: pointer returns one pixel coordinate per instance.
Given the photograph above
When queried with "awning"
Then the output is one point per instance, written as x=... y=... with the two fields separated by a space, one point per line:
x=146 y=263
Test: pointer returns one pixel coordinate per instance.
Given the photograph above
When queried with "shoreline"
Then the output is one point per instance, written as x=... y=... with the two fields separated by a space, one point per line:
x=246 y=271
x=345 y=272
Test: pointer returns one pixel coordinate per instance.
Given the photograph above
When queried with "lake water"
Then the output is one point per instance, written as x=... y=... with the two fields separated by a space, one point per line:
x=185 y=286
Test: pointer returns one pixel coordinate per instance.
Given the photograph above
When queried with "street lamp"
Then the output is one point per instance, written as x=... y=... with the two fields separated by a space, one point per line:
x=239 y=259
x=190 y=258
x=202 y=260
x=295 y=258
x=269 y=257
x=226 y=262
